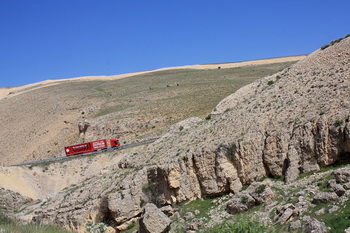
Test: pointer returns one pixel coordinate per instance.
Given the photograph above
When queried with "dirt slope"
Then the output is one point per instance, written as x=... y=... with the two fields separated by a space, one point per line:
x=38 y=120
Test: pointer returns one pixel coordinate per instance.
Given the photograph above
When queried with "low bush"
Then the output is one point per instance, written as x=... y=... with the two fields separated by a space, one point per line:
x=241 y=225
x=9 y=226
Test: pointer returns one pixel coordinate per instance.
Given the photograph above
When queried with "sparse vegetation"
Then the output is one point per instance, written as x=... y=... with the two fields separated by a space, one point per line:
x=338 y=123
x=95 y=228
x=208 y=117
x=261 y=188
x=202 y=205
x=132 y=228
x=339 y=220
x=333 y=42
x=200 y=88
x=9 y=226
x=245 y=225
x=244 y=199
x=324 y=169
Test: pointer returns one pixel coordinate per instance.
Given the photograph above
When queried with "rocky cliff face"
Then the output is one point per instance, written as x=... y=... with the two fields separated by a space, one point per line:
x=295 y=121
x=292 y=122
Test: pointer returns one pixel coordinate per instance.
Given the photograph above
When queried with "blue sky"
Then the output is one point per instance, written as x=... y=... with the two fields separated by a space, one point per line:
x=51 y=39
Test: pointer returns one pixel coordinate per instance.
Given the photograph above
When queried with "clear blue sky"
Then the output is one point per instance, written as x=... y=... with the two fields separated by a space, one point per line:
x=51 y=39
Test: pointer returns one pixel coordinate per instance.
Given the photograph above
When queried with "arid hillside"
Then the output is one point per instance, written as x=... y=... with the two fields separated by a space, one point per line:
x=281 y=126
x=38 y=120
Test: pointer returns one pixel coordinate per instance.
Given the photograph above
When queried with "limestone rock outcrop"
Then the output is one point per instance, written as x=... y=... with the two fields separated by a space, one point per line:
x=153 y=220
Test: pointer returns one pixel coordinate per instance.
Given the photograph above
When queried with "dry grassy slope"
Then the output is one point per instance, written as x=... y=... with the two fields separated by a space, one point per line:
x=301 y=112
x=38 y=120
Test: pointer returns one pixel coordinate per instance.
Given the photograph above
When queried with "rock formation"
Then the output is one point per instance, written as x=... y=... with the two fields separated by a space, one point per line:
x=153 y=220
x=293 y=122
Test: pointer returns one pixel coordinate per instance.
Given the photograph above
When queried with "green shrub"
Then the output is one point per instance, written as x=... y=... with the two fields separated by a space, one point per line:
x=261 y=188
x=338 y=221
x=98 y=228
x=9 y=226
x=338 y=123
x=244 y=199
x=336 y=41
x=240 y=226
x=270 y=82
x=325 y=46
x=333 y=42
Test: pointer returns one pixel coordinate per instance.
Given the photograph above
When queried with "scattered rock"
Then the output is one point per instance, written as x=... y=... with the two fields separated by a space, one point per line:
x=168 y=210
x=338 y=189
x=126 y=161
x=333 y=209
x=181 y=126
x=324 y=197
x=306 y=218
x=320 y=212
x=295 y=225
x=302 y=205
x=347 y=186
x=285 y=213
x=315 y=226
x=11 y=199
x=342 y=175
x=195 y=224
x=188 y=216
x=177 y=216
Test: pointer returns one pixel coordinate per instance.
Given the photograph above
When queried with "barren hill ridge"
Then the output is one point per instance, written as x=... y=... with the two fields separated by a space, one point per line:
x=292 y=122
x=39 y=119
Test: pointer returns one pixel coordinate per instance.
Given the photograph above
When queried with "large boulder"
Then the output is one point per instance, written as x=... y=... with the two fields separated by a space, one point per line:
x=153 y=220
x=261 y=192
x=324 y=197
x=338 y=189
x=313 y=226
x=240 y=203
x=342 y=175
x=285 y=213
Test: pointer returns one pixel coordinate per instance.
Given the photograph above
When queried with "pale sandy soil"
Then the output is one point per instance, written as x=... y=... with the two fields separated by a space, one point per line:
x=42 y=181
x=4 y=92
